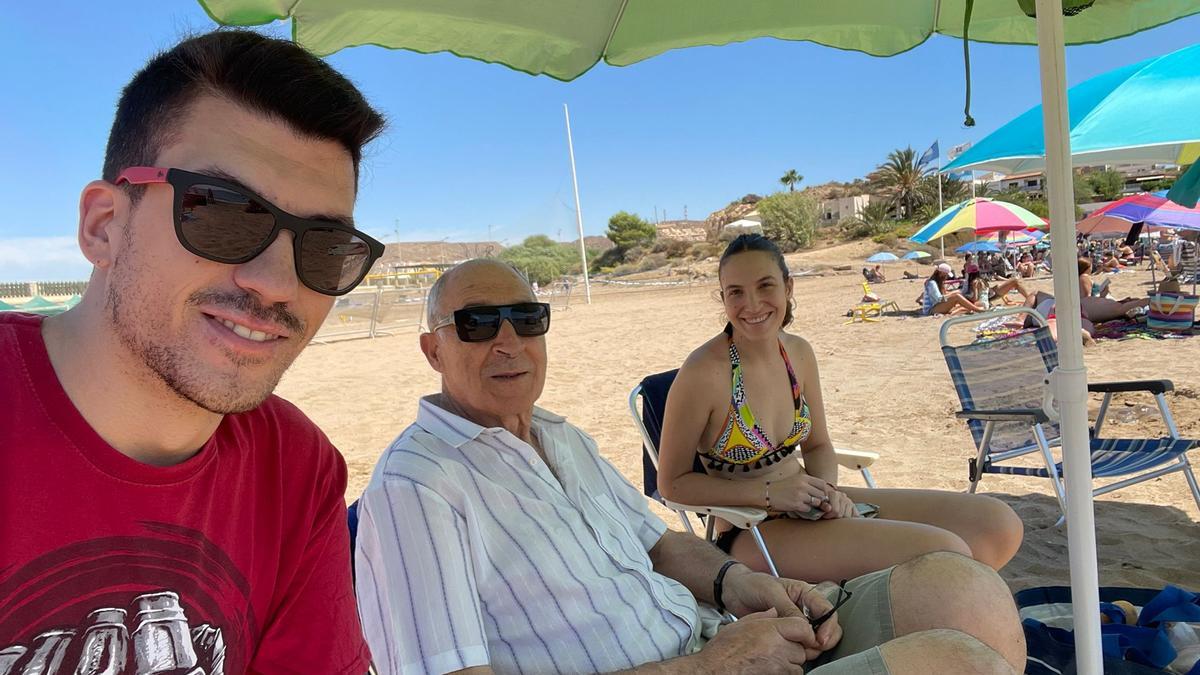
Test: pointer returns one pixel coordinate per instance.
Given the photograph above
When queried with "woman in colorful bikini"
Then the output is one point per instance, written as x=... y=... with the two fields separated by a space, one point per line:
x=755 y=383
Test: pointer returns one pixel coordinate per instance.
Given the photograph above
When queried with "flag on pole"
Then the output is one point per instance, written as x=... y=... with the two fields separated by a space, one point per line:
x=929 y=155
x=957 y=150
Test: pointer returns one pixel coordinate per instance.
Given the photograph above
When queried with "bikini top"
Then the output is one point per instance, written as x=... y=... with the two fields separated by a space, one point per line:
x=743 y=443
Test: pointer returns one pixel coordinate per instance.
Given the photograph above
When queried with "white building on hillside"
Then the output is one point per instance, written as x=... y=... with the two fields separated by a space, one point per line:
x=833 y=210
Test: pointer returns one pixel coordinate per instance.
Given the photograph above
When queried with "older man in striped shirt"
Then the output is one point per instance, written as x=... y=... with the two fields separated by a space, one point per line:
x=493 y=537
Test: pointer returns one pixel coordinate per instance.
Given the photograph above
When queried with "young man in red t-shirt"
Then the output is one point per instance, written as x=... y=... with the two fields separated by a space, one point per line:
x=160 y=510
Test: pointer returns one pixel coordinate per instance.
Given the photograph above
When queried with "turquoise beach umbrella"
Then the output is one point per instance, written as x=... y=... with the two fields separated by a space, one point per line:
x=1144 y=112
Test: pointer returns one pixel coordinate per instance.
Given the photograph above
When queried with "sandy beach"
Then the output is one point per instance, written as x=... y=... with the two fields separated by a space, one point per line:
x=886 y=389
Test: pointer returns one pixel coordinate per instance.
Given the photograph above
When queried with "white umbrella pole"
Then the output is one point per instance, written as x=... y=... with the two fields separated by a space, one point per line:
x=1069 y=380
x=587 y=284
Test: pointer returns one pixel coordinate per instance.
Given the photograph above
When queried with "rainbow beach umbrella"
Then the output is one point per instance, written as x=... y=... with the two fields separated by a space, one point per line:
x=1151 y=208
x=982 y=216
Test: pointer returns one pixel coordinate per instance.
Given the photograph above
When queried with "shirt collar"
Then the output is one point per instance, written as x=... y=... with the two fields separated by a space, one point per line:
x=457 y=431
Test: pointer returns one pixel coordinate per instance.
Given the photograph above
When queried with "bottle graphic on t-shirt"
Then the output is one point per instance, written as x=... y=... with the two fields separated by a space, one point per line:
x=162 y=642
x=105 y=643
x=48 y=652
x=152 y=638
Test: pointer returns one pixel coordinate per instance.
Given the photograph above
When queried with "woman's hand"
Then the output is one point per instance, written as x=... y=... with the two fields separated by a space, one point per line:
x=800 y=493
x=840 y=505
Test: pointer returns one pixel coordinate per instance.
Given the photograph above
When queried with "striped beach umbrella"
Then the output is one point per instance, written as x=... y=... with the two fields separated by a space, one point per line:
x=982 y=216
x=1151 y=208
x=916 y=255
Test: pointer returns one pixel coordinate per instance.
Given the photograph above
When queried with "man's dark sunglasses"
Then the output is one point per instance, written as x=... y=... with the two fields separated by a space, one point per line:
x=480 y=324
x=842 y=597
x=224 y=222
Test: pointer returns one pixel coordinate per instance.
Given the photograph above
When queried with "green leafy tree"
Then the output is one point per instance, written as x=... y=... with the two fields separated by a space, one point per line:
x=899 y=179
x=953 y=192
x=1107 y=185
x=877 y=213
x=627 y=230
x=789 y=218
x=1083 y=188
x=542 y=259
x=790 y=179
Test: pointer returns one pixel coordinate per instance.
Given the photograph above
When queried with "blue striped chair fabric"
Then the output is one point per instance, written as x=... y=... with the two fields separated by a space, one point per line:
x=1009 y=374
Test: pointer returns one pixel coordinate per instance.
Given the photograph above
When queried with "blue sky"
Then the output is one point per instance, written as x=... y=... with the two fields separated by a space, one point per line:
x=473 y=148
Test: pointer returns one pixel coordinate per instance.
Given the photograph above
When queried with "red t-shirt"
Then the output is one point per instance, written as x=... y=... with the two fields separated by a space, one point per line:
x=236 y=560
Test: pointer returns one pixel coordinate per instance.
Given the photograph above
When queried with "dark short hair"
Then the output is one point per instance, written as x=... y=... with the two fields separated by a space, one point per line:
x=757 y=242
x=273 y=77
x=1085 y=265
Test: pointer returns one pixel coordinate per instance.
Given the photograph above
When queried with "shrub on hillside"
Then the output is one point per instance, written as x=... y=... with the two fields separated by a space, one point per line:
x=789 y=219
x=672 y=248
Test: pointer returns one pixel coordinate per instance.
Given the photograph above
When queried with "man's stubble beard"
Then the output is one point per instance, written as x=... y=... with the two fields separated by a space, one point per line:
x=172 y=364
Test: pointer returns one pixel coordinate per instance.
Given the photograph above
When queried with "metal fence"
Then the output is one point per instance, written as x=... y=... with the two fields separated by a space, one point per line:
x=29 y=289
x=373 y=312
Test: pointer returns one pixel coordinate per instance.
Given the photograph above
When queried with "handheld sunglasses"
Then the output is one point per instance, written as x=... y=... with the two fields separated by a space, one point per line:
x=482 y=323
x=226 y=223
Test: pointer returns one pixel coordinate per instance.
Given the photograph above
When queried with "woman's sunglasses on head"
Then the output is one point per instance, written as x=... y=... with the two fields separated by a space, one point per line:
x=482 y=323
x=226 y=223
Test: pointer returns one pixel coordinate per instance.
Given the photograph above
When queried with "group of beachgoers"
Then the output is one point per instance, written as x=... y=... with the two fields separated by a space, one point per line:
x=170 y=514
x=974 y=294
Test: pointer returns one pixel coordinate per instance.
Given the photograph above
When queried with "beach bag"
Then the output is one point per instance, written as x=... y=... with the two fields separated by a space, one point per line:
x=1143 y=630
x=1172 y=311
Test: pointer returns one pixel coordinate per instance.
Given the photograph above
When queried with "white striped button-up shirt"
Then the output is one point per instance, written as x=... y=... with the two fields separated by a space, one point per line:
x=472 y=552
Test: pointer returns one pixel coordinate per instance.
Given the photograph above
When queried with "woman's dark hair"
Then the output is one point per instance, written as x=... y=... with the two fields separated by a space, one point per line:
x=1085 y=266
x=756 y=242
x=939 y=278
x=269 y=76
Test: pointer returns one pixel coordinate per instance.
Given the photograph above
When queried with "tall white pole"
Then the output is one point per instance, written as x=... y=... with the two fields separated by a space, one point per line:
x=1069 y=379
x=940 y=207
x=587 y=284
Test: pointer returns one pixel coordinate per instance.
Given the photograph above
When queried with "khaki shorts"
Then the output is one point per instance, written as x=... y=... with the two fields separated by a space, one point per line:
x=866 y=621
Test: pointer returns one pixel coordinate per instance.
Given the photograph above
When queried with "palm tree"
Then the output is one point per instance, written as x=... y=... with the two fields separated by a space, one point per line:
x=900 y=177
x=790 y=179
x=876 y=214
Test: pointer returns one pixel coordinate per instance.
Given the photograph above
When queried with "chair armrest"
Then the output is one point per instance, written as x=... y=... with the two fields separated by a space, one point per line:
x=1011 y=415
x=855 y=459
x=1152 y=386
x=740 y=516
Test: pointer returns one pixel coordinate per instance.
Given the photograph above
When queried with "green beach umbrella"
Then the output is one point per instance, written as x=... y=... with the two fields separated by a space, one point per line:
x=564 y=38
x=40 y=305
x=5 y=306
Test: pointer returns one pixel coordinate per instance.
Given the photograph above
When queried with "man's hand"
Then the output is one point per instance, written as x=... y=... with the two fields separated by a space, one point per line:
x=759 y=643
x=746 y=591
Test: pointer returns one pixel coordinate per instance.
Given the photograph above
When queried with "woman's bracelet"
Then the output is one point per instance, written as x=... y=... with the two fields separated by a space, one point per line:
x=767 y=487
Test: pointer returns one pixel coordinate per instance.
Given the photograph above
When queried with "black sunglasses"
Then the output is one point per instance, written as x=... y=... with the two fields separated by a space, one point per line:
x=842 y=597
x=482 y=323
x=226 y=223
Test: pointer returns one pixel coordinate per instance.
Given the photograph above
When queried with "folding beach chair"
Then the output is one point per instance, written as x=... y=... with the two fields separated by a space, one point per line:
x=1001 y=384
x=653 y=393
x=884 y=305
